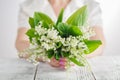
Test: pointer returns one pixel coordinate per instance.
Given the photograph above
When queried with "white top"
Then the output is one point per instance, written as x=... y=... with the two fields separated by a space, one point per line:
x=28 y=8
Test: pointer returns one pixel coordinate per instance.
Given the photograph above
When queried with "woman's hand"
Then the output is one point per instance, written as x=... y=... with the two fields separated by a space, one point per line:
x=60 y=64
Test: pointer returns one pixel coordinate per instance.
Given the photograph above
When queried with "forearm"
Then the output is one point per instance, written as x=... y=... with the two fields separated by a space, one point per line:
x=22 y=41
x=21 y=45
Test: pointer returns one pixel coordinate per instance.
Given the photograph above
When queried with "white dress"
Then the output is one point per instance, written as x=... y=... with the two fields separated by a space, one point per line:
x=45 y=71
x=28 y=8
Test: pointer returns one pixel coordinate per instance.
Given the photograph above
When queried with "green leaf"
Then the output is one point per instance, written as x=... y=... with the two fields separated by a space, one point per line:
x=76 y=62
x=57 y=56
x=38 y=16
x=60 y=17
x=31 y=32
x=50 y=53
x=31 y=22
x=65 y=54
x=45 y=25
x=79 y=17
x=92 y=45
x=74 y=31
x=63 y=29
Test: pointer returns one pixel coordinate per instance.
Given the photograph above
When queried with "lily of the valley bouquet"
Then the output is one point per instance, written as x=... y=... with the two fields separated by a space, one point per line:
x=69 y=39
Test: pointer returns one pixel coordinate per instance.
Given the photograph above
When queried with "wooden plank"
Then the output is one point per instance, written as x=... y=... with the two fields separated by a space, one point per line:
x=46 y=72
x=16 y=69
x=106 y=67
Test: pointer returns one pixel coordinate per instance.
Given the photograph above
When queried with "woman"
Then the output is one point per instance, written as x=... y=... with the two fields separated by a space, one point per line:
x=52 y=8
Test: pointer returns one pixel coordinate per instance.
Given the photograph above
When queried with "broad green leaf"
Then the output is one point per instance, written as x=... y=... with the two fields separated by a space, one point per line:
x=66 y=30
x=79 y=17
x=45 y=25
x=38 y=16
x=31 y=22
x=60 y=17
x=92 y=45
x=74 y=31
x=63 y=29
x=76 y=62
x=31 y=32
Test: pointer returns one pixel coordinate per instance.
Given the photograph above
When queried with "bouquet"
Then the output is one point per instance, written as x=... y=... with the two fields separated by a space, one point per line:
x=69 y=39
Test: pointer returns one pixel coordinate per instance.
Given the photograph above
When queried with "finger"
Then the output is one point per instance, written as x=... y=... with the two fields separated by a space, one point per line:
x=54 y=60
x=62 y=64
x=54 y=64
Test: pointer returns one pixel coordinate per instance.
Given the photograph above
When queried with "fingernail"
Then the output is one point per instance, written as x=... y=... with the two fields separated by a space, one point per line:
x=61 y=63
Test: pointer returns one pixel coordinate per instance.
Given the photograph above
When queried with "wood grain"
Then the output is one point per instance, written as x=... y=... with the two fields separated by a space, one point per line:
x=103 y=68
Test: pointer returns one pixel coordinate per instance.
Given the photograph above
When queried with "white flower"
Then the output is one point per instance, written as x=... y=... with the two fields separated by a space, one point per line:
x=52 y=34
x=62 y=40
x=45 y=45
x=66 y=49
x=40 y=30
x=74 y=42
x=44 y=39
x=74 y=51
x=80 y=44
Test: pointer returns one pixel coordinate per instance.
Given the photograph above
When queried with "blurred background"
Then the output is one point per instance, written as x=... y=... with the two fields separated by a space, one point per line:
x=8 y=26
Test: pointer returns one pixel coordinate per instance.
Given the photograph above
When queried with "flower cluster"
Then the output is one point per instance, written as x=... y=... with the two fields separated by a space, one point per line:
x=51 y=40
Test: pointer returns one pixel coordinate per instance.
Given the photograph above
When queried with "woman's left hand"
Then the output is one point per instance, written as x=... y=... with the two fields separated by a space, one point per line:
x=61 y=63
